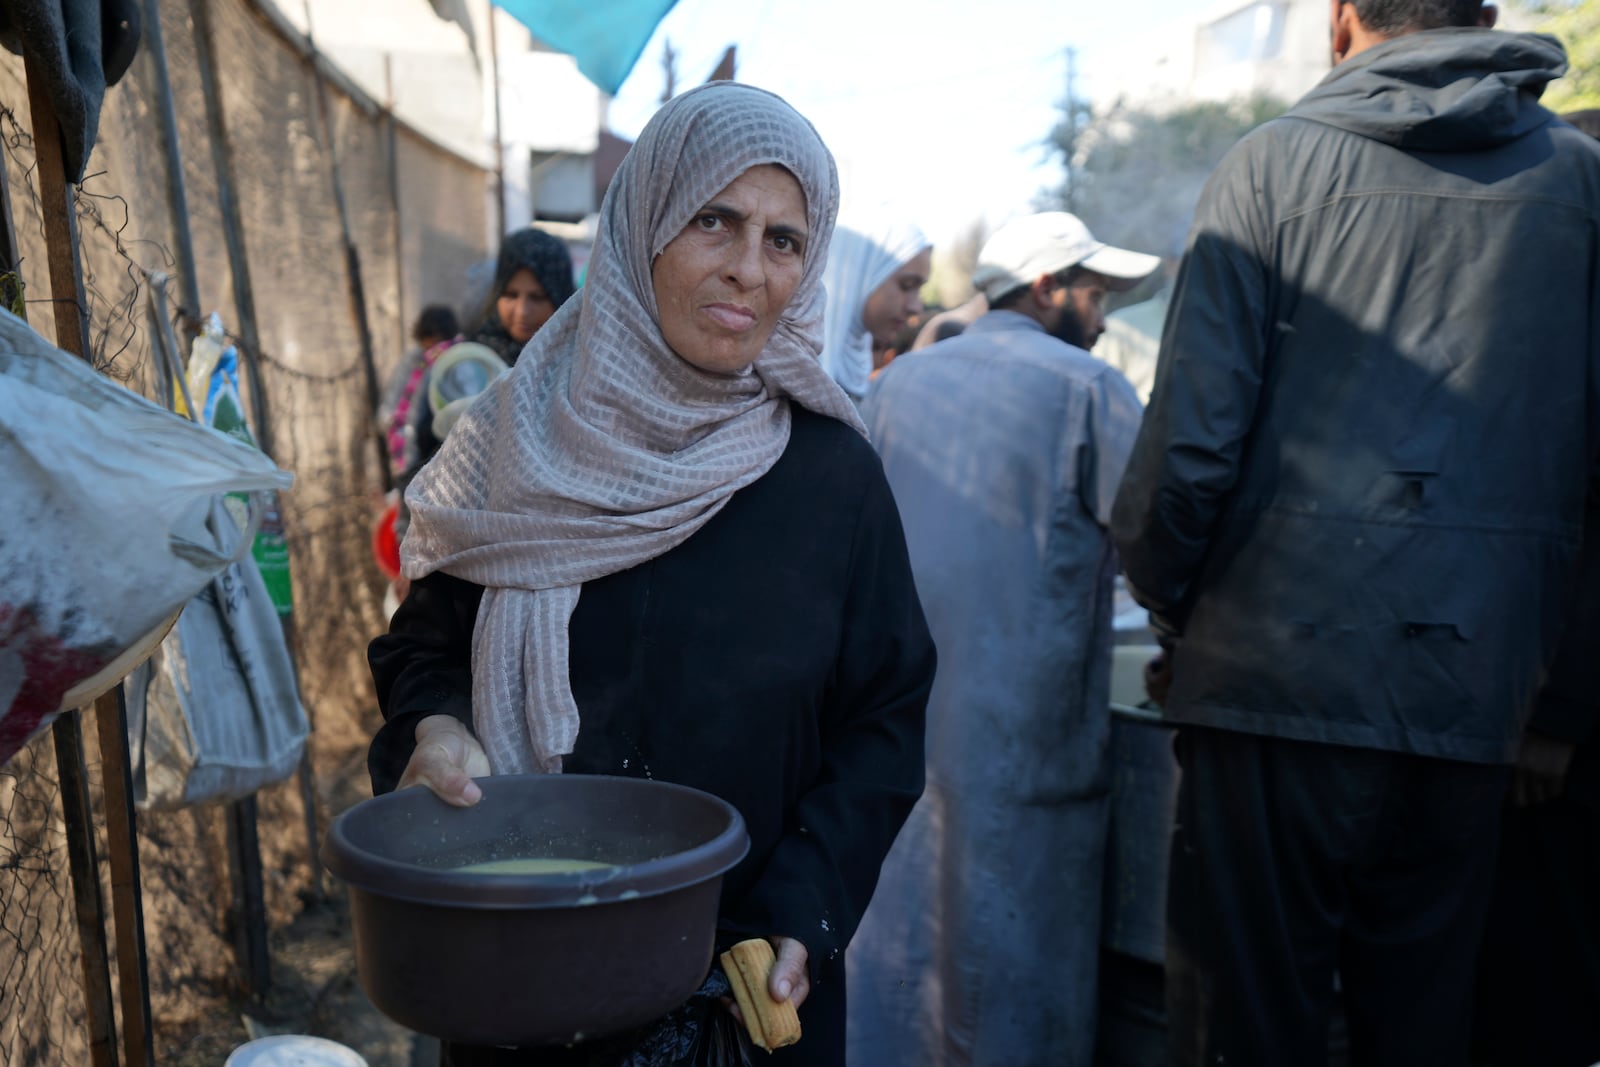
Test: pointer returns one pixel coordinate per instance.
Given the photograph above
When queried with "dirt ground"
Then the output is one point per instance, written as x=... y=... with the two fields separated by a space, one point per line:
x=314 y=986
x=314 y=991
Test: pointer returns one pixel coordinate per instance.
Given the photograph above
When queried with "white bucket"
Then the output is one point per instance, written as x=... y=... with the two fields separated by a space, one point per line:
x=294 y=1050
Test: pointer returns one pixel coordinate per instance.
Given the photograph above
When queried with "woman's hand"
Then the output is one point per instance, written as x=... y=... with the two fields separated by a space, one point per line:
x=446 y=760
x=789 y=979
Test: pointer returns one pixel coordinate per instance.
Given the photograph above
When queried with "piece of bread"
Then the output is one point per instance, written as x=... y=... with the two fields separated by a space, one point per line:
x=772 y=1024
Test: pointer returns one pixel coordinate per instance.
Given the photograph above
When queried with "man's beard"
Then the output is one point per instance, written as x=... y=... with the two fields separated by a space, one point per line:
x=1069 y=328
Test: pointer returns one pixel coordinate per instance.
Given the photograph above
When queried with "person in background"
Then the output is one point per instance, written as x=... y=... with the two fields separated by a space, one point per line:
x=898 y=345
x=436 y=329
x=1004 y=447
x=532 y=278
x=1539 y=971
x=951 y=323
x=1133 y=334
x=874 y=279
x=662 y=547
x=1359 y=502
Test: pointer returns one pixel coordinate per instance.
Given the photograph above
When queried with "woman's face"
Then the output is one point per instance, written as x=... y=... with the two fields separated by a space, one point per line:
x=892 y=304
x=723 y=282
x=523 y=306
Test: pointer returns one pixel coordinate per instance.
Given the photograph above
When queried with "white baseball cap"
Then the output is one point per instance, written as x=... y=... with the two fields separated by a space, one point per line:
x=1047 y=243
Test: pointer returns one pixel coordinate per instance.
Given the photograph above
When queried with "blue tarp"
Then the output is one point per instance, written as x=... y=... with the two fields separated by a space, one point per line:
x=604 y=36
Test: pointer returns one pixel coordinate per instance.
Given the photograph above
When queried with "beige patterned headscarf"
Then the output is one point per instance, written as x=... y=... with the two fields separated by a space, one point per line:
x=603 y=448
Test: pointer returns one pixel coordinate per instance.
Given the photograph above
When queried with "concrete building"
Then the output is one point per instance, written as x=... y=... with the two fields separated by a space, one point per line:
x=1275 y=47
x=434 y=63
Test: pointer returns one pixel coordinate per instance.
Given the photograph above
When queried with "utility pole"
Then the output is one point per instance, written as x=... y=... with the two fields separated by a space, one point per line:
x=499 y=134
x=669 y=64
x=1069 y=189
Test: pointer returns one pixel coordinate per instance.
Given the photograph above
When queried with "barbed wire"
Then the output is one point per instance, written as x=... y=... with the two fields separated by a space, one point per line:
x=114 y=330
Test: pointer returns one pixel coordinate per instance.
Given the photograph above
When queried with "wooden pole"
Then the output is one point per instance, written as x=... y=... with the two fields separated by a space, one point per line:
x=58 y=205
x=127 y=898
x=352 y=260
x=59 y=209
x=10 y=256
x=244 y=851
x=87 y=906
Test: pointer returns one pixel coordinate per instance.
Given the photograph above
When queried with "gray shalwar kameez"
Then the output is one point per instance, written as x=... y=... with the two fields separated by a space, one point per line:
x=1004 y=448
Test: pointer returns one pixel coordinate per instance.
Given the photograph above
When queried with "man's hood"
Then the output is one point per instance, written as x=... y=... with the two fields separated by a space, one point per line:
x=1451 y=90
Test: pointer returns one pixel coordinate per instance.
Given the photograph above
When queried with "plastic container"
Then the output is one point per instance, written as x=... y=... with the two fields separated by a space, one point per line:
x=535 y=959
x=385 y=545
x=294 y=1050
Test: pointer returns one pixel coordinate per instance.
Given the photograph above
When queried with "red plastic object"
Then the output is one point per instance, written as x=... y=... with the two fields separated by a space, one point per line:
x=385 y=545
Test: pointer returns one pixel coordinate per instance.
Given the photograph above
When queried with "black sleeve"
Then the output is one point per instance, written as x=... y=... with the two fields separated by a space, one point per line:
x=421 y=667
x=1186 y=459
x=821 y=874
x=1569 y=703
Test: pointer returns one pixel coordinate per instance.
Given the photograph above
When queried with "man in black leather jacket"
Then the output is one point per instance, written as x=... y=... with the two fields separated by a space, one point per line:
x=1358 y=504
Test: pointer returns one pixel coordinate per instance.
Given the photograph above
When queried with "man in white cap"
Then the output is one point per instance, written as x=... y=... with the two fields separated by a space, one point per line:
x=1004 y=447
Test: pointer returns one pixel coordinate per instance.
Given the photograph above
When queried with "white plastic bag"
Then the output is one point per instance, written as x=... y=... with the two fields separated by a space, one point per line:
x=215 y=713
x=105 y=499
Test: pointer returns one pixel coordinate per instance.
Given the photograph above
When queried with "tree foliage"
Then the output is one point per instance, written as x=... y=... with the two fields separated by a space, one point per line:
x=1134 y=172
x=1577 y=25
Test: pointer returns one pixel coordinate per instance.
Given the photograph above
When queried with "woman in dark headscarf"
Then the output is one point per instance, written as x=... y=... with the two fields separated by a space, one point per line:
x=532 y=277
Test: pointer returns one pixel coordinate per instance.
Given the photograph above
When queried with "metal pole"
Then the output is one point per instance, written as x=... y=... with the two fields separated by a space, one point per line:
x=352 y=259
x=250 y=934
x=177 y=188
x=307 y=781
x=244 y=851
x=244 y=298
x=72 y=333
x=499 y=138
x=1071 y=186
x=393 y=162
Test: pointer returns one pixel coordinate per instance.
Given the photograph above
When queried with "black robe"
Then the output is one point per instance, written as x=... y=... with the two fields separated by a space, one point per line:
x=778 y=659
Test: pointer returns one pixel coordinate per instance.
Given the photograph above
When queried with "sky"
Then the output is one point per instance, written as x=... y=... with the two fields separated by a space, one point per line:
x=937 y=107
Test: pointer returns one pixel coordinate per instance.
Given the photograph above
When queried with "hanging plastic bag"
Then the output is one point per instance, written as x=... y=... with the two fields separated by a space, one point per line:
x=213 y=383
x=215 y=712
x=107 y=499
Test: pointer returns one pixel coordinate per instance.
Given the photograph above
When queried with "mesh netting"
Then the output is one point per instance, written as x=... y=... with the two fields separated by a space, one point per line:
x=315 y=386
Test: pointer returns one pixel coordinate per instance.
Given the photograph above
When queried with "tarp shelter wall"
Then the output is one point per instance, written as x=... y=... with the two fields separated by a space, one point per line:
x=316 y=395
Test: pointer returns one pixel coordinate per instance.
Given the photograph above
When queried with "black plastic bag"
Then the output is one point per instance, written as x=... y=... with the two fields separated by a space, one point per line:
x=702 y=1033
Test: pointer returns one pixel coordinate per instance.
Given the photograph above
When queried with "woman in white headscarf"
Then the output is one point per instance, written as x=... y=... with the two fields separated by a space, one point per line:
x=877 y=267
x=661 y=546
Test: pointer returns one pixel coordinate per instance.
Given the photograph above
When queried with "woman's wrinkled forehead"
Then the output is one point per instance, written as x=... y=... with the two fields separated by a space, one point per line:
x=710 y=136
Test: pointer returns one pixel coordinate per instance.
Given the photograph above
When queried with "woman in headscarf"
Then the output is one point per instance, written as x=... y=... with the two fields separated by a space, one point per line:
x=876 y=270
x=662 y=547
x=532 y=278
